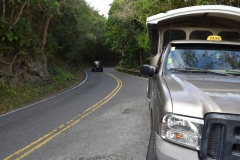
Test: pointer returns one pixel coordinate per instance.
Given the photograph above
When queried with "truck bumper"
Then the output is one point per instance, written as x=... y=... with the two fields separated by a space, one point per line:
x=169 y=151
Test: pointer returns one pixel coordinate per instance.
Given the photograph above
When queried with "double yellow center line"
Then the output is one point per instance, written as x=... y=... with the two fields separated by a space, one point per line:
x=20 y=154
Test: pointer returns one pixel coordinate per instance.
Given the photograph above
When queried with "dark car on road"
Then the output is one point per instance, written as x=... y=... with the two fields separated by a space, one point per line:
x=97 y=66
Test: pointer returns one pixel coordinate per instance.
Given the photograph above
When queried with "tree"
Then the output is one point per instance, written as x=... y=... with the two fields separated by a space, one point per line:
x=125 y=33
x=13 y=15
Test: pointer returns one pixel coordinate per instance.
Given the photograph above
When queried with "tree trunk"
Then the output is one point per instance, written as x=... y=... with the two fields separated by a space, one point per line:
x=45 y=29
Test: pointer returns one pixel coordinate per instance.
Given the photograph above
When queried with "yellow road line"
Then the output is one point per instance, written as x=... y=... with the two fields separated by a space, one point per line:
x=62 y=128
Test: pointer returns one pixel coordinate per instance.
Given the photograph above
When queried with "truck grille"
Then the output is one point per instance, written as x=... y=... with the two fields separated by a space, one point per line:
x=221 y=137
x=213 y=141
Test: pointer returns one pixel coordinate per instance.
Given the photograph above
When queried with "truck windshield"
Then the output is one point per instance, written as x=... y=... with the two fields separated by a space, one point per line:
x=204 y=57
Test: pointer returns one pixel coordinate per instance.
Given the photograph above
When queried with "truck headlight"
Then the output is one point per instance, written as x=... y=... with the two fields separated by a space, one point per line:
x=182 y=130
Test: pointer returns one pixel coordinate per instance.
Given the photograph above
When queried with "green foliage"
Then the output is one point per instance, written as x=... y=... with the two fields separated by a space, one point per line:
x=20 y=37
x=143 y=40
x=52 y=48
x=126 y=33
x=126 y=30
x=9 y=35
x=75 y=33
x=15 y=97
x=59 y=74
x=78 y=34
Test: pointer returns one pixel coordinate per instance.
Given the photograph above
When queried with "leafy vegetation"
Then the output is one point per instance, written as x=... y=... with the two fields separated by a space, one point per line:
x=126 y=26
x=69 y=34
x=58 y=29
x=15 y=97
x=73 y=33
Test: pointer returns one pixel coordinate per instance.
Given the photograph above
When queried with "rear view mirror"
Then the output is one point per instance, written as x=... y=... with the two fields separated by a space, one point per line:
x=148 y=70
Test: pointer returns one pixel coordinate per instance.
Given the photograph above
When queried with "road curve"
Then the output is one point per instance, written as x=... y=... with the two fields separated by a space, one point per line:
x=106 y=117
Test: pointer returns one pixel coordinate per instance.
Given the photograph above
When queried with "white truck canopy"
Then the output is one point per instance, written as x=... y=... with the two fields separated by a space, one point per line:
x=210 y=16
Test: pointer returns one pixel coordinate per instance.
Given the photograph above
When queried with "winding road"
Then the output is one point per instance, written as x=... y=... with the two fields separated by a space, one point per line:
x=104 y=117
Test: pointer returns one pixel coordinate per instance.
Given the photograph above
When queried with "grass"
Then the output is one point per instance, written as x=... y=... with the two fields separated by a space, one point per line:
x=12 y=98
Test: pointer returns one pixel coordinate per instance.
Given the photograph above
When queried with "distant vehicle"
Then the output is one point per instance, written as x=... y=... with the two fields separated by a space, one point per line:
x=194 y=83
x=97 y=66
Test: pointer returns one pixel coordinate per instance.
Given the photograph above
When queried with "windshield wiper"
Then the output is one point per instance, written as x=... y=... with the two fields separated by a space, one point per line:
x=184 y=69
x=216 y=72
x=233 y=71
x=194 y=69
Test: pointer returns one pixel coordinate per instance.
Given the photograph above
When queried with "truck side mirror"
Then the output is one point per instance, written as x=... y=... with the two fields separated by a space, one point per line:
x=148 y=70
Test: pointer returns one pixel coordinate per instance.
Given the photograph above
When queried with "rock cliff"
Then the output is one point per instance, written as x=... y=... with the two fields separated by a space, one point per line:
x=17 y=68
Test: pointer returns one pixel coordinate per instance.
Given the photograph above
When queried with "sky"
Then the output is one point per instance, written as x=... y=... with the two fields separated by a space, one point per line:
x=101 y=5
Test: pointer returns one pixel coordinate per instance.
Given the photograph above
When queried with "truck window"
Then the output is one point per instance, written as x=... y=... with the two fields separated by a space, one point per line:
x=170 y=35
x=154 y=42
x=204 y=56
x=201 y=35
x=230 y=36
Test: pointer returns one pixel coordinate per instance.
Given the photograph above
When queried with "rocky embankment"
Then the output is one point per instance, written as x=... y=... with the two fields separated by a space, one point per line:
x=17 y=68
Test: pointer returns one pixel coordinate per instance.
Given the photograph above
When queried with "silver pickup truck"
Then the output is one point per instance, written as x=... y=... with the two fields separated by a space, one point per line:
x=194 y=83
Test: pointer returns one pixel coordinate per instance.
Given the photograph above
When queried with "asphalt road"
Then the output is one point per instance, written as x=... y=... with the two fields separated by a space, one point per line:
x=106 y=117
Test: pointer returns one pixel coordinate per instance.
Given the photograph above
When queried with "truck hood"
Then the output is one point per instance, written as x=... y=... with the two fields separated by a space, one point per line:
x=195 y=95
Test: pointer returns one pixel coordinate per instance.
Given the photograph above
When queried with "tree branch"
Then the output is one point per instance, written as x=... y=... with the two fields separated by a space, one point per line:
x=62 y=1
x=12 y=12
x=4 y=62
x=39 y=5
x=18 y=16
x=7 y=73
x=3 y=13
x=10 y=67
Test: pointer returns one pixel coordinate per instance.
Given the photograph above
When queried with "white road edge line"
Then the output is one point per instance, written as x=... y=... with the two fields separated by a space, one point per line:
x=47 y=98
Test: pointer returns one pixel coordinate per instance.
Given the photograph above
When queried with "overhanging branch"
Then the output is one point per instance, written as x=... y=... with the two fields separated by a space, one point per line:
x=18 y=15
x=2 y=72
x=3 y=12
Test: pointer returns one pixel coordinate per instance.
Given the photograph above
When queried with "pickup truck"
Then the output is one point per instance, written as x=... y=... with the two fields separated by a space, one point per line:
x=194 y=85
